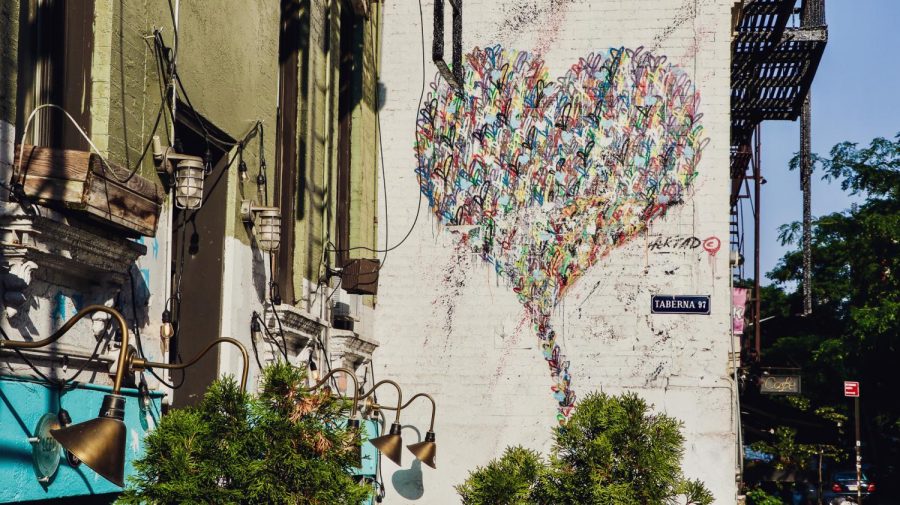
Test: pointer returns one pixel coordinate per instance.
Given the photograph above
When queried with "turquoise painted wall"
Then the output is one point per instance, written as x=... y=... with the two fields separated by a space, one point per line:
x=23 y=402
x=369 y=464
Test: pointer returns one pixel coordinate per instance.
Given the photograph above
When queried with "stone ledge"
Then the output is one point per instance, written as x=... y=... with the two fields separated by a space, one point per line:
x=346 y=344
x=300 y=327
x=59 y=252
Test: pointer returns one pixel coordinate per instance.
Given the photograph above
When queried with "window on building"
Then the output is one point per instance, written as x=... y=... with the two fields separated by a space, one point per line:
x=293 y=39
x=56 y=41
x=350 y=91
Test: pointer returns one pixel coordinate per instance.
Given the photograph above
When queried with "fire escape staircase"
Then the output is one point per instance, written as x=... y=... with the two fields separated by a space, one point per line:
x=772 y=69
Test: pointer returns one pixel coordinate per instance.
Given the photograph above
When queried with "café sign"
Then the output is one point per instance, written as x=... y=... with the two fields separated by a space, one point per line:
x=780 y=385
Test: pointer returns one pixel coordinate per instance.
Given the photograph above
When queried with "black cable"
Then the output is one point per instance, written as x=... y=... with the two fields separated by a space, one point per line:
x=280 y=330
x=60 y=383
x=174 y=25
x=159 y=115
x=265 y=328
x=253 y=342
x=327 y=361
x=378 y=475
x=26 y=360
x=158 y=49
x=387 y=227
x=140 y=344
x=333 y=291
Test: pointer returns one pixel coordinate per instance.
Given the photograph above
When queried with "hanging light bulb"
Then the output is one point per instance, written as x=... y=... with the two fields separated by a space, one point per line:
x=207 y=160
x=242 y=169
x=166 y=331
x=255 y=329
x=189 y=184
x=261 y=186
x=66 y=420
x=144 y=394
x=313 y=369
x=275 y=294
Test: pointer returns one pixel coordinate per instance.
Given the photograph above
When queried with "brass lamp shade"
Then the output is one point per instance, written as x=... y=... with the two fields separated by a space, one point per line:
x=425 y=451
x=99 y=443
x=391 y=445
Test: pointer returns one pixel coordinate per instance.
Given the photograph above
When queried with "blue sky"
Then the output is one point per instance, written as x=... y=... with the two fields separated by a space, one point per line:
x=852 y=99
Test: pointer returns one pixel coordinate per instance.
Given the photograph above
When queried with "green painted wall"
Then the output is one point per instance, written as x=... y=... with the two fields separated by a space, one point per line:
x=364 y=148
x=228 y=61
x=318 y=126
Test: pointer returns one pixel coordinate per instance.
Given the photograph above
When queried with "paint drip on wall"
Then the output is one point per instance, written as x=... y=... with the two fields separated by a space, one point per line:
x=552 y=175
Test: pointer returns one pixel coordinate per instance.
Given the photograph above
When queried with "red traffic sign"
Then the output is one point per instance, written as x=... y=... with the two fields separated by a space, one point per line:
x=851 y=389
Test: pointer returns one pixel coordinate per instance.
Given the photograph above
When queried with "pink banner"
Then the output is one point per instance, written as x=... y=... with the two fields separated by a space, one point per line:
x=738 y=308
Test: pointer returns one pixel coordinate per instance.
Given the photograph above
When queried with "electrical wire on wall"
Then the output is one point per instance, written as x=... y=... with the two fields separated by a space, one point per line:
x=388 y=248
x=17 y=192
x=63 y=383
x=139 y=340
x=330 y=248
x=257 y=318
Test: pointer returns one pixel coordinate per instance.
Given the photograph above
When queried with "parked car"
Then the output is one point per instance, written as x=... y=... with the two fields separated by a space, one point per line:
x=845 y=488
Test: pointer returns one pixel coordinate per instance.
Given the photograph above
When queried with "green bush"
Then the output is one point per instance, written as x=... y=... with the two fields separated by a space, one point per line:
x=504 y=481
x=285 y=445
x=612 y=451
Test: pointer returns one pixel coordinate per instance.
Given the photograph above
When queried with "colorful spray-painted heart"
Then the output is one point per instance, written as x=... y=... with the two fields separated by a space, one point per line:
x=556 y=174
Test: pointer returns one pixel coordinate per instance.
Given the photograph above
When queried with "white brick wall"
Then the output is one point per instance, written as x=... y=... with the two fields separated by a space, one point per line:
x=448 y=325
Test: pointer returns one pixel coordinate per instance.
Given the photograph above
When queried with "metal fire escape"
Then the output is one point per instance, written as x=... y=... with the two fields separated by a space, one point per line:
x=776 y=49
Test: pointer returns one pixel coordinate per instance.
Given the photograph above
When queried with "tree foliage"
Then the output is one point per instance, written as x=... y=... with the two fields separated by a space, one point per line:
x=759 y=497
x=854 y=330
x=285 y=445
x=613 y=450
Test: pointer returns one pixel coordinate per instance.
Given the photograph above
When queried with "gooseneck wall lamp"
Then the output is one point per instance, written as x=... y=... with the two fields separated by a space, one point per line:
x=100 y=442
x=391 y=445
x=425 y=451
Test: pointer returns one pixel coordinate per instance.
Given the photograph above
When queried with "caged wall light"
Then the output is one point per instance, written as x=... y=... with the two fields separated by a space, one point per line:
x=188 y=174
x=265 y=223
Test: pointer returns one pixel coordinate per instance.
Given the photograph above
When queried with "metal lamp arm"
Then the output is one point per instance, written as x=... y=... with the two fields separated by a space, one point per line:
x=417 y=395
x=123 y=328
x=140 y=363
x=399 y=396
x=356 y=397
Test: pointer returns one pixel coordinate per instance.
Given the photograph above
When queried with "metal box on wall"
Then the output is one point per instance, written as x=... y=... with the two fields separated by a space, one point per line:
x=360 y=276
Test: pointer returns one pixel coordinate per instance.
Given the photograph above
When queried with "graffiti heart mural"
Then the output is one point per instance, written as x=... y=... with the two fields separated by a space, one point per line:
x=552 y=175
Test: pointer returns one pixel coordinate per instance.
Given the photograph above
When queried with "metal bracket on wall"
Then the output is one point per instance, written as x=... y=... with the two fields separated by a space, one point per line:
x=453 y=77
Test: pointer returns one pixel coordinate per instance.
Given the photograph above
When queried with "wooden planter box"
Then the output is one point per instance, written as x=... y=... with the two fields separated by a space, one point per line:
x=79 y=180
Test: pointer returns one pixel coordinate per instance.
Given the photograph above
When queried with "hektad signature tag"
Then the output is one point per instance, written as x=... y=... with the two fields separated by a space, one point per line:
x=679 y=304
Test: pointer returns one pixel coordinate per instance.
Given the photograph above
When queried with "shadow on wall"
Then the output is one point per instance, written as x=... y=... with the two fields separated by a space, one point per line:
x=408 y=482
